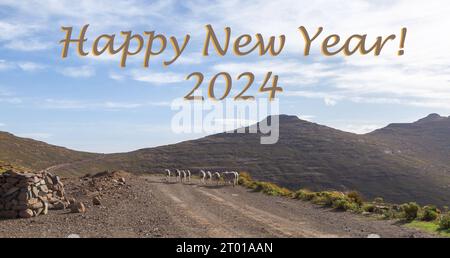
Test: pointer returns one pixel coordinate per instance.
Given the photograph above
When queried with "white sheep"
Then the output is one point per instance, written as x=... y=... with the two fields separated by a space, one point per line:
x=188 y=172
x=183 y=176
x=202 y=175
x=178 y=175
x=236 y=178
x=230 y=177
x=209 y=176
x=168 y=175
x=216 y=176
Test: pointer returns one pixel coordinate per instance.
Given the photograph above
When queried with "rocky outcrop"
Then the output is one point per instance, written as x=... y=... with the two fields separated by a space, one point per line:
x=26 y=195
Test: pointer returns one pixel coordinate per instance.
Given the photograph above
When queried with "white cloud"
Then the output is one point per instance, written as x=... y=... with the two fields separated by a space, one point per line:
x=63 y=104
x=78 y=72
x=119 y=105
x=114 y=59
x=101 y=13
x=329 y=101
x=11 y=31
x=160 y=103
x=420 y=78
x=12 y=100
x=331 y=98
x=4 y=65
x=106 y=105
x=359 y=128
x=21 y=45
x=26 y=66
x=116 y=76
x=156 y=77
x=128 y=105
x=190 y=59
x=291 y=72
x=9 y=97
x=30 y=66
x=4 y=92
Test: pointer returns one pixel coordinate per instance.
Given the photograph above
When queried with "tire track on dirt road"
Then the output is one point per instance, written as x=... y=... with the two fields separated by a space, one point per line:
x=225 y=211
x=189 y=208
x=204 y=206
x=278 y=225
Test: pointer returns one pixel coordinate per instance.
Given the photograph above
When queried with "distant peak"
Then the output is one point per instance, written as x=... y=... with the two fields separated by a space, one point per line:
x=432 y=118
x=283 y=118
x=288 y=118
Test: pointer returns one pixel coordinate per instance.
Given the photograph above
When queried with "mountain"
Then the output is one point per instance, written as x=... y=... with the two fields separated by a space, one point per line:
x=402 y=162
x=427 y=138
x=5 y=166
x=17 y=152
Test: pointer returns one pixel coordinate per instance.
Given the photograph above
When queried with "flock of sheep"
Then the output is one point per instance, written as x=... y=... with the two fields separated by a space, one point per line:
x=183 y=176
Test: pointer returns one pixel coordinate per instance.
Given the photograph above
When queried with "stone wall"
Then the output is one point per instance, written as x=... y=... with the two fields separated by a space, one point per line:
x=26 y=195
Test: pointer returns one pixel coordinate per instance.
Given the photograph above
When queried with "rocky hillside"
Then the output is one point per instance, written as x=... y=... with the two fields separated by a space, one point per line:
x=427 y=138
x=313 y=156
x=36 y=154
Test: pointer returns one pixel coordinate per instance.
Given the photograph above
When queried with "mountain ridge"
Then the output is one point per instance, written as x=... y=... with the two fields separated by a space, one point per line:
x=36 y=154
x=388 y=162
x=307 y=155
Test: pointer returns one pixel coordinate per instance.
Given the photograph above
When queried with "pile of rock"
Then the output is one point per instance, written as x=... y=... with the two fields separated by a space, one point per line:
x=26 y=195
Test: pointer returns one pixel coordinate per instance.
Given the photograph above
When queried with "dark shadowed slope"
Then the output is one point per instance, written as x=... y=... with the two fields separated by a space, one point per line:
x=307 y=155
x=35 y=154
x=428 y=138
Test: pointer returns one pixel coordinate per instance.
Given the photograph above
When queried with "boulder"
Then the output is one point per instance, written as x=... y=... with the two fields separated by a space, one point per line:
x=71 y=200
x=77 y=207
x=30 y=194
x=45 y=211
x=60 y=205
x=96 y=200
x=28 y=213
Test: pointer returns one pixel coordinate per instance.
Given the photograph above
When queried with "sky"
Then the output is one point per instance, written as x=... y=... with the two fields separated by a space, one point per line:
x=91 y=104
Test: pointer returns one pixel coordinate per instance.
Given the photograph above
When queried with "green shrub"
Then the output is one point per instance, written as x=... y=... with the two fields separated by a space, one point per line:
x=272 y=189
x=378 y=200
x=355 y=197
x=268 y=188
x=410 y=210
x=429 y=213
x=344 y=205
x=304 y=195
x=322 y=198
x=327 y=198
x=336 y=200
x=444 y=222
x=388 y=214
x=396 y=207
x=368 y=207
x=319 y=200
x=245 y=179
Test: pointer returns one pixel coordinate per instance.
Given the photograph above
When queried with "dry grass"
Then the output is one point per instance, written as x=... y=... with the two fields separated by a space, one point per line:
x=354 y=202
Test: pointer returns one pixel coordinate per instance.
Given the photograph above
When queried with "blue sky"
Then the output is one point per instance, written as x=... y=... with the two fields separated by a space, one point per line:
x=91 y=104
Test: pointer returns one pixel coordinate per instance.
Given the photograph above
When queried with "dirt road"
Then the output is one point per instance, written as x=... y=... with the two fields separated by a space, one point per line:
x=146 y=206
